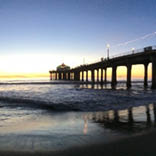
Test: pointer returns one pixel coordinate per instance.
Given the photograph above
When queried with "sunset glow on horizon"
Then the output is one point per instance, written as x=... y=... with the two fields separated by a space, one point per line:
x=38 y=66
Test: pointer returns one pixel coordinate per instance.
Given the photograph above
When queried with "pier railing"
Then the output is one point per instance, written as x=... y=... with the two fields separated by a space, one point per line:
x=135 y=51
x=127 y=53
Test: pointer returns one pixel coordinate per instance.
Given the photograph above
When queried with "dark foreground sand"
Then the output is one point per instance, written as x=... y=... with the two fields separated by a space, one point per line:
x=143 y=145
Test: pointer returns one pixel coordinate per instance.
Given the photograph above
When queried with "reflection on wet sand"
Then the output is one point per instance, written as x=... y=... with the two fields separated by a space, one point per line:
x=85 y=129
x=47 y=130
x=129 y=120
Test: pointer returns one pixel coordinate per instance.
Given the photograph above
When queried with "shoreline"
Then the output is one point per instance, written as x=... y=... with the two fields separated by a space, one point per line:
x=66 y=82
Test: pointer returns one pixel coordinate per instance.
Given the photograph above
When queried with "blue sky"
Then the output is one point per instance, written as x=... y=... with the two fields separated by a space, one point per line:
x=64 y=29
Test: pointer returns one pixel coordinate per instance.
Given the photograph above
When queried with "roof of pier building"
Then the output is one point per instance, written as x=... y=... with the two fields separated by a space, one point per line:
x=63 y=67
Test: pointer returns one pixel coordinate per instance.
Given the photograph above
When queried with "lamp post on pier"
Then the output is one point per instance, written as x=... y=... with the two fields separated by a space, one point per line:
x=133 y=50
x=108 y=47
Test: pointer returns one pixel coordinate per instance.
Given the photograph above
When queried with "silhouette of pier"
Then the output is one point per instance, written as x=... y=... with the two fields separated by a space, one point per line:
x=142 y=56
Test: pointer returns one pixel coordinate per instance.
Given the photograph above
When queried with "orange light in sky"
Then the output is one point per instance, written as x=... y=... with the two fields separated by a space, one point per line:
x=32 y=65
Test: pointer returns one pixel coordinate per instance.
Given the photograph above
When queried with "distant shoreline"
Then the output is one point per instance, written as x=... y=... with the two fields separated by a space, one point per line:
x=62 y=82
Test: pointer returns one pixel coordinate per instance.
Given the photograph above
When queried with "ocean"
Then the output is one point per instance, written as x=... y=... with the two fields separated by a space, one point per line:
x=43 y=115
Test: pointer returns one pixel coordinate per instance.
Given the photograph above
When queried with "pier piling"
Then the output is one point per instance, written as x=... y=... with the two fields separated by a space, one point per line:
x=129 y=67
x=113 y=76
x=154 y=73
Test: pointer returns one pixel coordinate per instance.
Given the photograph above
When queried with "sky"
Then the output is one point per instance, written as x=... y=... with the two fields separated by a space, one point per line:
x=38 y=35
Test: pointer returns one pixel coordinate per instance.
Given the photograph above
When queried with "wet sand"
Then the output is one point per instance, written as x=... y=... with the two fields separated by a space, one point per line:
x=112 y=133
x=142 y=145
x=26 y=132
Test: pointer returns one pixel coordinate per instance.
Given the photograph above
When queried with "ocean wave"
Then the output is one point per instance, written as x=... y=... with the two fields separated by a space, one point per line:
x=34 y=104
x=74 y=97
x=113 y=102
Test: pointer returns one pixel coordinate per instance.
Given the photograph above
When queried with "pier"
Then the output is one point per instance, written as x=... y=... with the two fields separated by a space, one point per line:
x=137 y=57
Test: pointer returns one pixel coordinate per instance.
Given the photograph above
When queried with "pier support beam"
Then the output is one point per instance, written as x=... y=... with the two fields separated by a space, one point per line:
x=56 y=76
x=154 y=73
x=97 y=75
x=51 y=77
x=145 y=74
x=93 y=77
x=64 y=76
x=68 y=75
x=82 y=75
x=60 y=76
x=129 y=68
x=114 y=76
x=101 y=75
x=105 y=75
x=77 y=76
x=87 y=76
